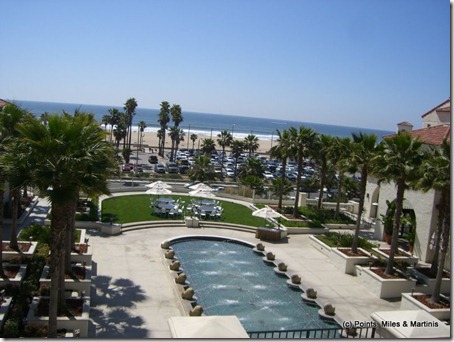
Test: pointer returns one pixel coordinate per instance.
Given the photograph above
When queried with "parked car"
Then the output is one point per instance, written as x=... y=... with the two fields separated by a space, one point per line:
x=127 y=167
x=172 y=167
x=153 y=159
x=159 y=168
x=183 y=169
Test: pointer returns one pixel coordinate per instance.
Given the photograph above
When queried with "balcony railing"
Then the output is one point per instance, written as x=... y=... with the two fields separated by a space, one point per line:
x=316 y=333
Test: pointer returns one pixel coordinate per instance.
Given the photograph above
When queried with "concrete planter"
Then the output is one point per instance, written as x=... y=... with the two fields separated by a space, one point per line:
x=321 y=246
x=109 y=228
x=348 y=263
x=17 y=280
x=430 y=282
x=191 y=222
x=381 y=287
x=69 y=323
x=83 y=257
x=403 y=257
x=78 y=285
x=10 y=255
x=304 y=230
x=410 y=303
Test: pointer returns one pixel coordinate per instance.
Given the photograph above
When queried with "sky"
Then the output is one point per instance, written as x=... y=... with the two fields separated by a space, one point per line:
x=361 y=63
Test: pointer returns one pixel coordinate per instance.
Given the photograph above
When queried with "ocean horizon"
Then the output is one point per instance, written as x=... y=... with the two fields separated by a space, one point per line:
x=207 y=124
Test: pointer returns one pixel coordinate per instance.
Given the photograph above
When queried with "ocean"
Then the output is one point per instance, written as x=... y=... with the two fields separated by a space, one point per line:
x=202 y=123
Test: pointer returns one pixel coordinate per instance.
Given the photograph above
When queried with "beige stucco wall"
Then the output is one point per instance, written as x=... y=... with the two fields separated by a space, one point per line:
x=422 y=203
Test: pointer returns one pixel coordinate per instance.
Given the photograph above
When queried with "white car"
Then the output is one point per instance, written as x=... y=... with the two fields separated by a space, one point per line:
x=268 y=175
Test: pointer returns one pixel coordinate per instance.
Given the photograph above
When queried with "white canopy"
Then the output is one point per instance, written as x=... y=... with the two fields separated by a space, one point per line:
x=207 y=327
x=201 y=186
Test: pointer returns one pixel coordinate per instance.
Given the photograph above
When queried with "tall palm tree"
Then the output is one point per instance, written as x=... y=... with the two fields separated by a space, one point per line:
x=321 y=145
x=177 y=118
x=163 y=119
x=435 y=174
x=237 y=148
x=141 y=126
x=130 y=110
x=224 y=140
x=340 y=155
x=105 y=121
x=398 y=161
x=194 y=137
x=364 y=149
x=281 y=151
x=251 y=143
x=64 y=157
x=301 y=147
x=115 y=117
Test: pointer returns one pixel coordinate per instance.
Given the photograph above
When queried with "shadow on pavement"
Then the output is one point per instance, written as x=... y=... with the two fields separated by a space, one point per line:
x=109 y=312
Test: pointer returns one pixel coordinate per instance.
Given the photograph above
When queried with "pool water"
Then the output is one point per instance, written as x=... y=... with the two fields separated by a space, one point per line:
x=229 y=278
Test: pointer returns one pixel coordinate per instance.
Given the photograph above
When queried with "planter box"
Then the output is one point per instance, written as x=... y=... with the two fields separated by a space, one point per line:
x=4 y=308
x=321 y=246
x=430 y=282
x=304 y=230
x=405 y=257
x=83 y=257
x=384 y=288
x=410 y=303
x=69 y=323
x=348 y=263
x=9 y=255
x=17 y=280
x=78 y=285
x=191 y=222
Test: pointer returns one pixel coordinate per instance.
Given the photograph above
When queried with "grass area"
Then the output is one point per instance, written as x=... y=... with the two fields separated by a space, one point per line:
x=324 y=215
x=136 y=208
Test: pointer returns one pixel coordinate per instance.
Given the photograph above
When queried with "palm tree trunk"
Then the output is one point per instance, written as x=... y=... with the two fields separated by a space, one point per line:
x=397 y=215
x=2 y=193
x=322 y=185
x=281 y=190
x=298 y=184
x=57 y=225
x=339 y=194
x=362 y=191
x=441 y=208
x=14 y=203
x=443 y=251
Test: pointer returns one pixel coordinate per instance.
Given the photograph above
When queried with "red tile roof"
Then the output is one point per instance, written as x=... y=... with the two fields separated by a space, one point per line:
x=441 y=104
x=431 y=135
x=3 y=103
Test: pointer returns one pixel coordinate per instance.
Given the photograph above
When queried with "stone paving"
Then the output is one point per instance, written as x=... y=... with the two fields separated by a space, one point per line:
x=133 y=294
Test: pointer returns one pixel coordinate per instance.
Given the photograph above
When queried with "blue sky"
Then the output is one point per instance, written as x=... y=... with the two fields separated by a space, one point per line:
x=362 y=63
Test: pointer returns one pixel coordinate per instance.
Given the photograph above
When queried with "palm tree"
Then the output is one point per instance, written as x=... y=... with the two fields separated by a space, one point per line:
x=202 y=170
x=163 y=119
x=208 y=146
x=10 y=116
x=44 y=117
x=251 y=143
x=398 y=161
x=130 y=110
x=120 y=132
x=435 y=174
x=224 y=140
x=300 y=146
x=141 y=126
x=64 y=157
x=322 y=144
x=177 y=118
x=364 y=149
x=340 y=155
x=174 y=134
x=282 y=150
x=237 y=148
x=194 y=137
x=105 y=121
x=115 y=117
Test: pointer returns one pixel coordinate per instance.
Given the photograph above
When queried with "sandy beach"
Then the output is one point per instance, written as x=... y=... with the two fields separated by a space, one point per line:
x=150 y=139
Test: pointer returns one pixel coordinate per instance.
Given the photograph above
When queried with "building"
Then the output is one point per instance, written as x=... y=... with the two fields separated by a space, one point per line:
x=436 y=126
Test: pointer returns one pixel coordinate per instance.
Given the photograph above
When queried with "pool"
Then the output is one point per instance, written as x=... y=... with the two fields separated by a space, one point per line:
x=229 y=278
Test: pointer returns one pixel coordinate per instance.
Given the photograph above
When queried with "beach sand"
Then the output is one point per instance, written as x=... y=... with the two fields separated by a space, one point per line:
x=151 y=140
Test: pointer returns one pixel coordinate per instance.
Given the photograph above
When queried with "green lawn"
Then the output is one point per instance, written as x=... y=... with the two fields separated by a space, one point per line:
x=136 y=208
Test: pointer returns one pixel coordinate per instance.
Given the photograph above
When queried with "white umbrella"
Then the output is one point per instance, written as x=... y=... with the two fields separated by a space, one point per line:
x=158 y=184
x=202 y=193
x=200 y=186
x=266 y=213
x=158 y=191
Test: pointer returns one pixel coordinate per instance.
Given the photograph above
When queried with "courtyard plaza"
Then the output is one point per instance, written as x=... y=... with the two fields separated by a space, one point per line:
x=133 y=292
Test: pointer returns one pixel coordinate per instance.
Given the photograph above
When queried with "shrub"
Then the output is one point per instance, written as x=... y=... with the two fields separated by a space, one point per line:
x=335 y=239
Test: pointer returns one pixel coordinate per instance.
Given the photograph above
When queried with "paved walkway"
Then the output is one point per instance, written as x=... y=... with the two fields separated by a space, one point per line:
x=133 y=293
